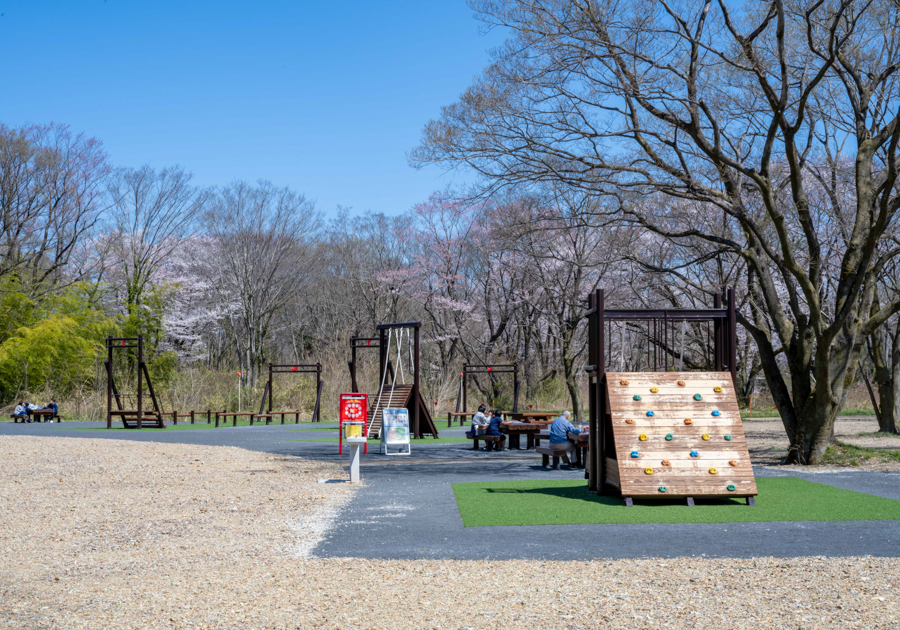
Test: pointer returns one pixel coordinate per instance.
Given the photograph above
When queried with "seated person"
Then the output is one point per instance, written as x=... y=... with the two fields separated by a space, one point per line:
x=31 y=407
x=21 y=413
x=559 y=430
x=479 y=420
x=52 y=405
x=494 y=429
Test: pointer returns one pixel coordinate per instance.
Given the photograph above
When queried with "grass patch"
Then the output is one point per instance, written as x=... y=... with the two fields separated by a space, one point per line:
x=173 y=427
x=568 y=502
x=839 y=454
x=414 y=441
x=766 y=411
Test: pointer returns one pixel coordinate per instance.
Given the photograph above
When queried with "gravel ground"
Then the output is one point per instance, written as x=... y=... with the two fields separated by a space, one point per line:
x=120 y=534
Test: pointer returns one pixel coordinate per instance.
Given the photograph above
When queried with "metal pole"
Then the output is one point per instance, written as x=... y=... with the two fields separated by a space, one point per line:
x=732 y=336
x=416 y=395
x=681 y=352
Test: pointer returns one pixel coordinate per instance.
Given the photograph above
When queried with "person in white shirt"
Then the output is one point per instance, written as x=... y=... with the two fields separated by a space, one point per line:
x=479 y=419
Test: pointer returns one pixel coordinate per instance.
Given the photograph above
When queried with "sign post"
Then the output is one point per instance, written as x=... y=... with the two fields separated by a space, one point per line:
x=353 y=409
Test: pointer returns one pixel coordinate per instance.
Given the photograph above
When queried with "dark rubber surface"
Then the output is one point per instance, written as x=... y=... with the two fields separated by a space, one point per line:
x=407 y=508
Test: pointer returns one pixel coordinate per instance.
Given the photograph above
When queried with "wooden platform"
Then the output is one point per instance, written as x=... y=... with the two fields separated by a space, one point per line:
x=398 y=397
x=663 y=442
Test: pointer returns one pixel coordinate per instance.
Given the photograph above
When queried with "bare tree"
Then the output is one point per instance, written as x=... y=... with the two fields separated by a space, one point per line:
x=726 y=106
x=152 y=213
x=263 y=234
x=51 y=196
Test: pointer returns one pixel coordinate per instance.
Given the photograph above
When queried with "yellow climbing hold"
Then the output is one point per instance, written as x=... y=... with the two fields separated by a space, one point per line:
x=713 y=471
x=705 y=436
x=717 y=389
x=653 y=390
x=642 y=437
x=648 y=471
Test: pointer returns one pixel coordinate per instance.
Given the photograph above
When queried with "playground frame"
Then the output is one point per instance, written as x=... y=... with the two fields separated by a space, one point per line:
x=303 y=368
x=724 y=336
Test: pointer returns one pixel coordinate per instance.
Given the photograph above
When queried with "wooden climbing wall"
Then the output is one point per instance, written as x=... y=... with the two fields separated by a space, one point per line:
x=677 y=434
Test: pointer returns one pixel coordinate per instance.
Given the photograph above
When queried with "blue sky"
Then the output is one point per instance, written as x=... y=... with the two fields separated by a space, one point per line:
x=324 y=97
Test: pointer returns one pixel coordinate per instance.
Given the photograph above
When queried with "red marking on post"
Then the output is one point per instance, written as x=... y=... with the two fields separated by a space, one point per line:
x=239 y=374
x=490 y=369
x=293 y=369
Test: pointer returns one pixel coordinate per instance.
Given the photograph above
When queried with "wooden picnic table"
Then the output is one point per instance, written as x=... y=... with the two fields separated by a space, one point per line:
x=535 y=416
x=516 y=429
x=462 y=415
x=37 y=414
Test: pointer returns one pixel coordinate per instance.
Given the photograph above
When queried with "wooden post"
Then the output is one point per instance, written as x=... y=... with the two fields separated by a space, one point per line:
x=109 y=377
x=270 y=389
x=515 y=387
x=209 y=416
x=731 y=348
x=217 y=419
x=717 y=336
x=140 y=384
x=192 y=416
x=416 y=395
x=174 y=416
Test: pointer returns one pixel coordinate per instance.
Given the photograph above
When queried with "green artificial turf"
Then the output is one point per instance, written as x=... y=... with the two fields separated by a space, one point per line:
x=568 y=502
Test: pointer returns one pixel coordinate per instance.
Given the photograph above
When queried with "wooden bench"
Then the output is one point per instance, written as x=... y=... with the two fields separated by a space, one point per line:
x=547 y=453
x=491 y=442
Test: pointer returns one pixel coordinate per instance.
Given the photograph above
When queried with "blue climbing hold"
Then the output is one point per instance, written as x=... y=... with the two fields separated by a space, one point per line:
x=695 y=454
x=649 y=414
x=634 y=453
x=716 y=413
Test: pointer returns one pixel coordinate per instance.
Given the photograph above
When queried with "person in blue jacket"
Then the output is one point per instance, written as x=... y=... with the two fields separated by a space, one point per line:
x=559 y=435
x=494 y=429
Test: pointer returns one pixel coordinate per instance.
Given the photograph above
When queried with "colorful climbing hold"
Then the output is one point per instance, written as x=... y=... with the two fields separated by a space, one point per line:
x=705 y=437
x=642 y=437
x=680 y=383
x=688 y=421
x=623 y=382
x=717 y=389
x=732 y=462
x=650 y=414
x=727 y=438
x=666 y=462
x=635 y=454
x=636 y=397
x=629 y=421
x=713 y=471
x=653 y=390
x=698 y=397
x=648 y=471
x=716 y=413
x=662 y=488
x=669 y=437
x=695 y=454
x=732 y=487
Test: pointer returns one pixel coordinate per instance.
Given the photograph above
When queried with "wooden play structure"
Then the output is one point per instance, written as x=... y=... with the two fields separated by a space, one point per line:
x=490 y=370
x=267 y=413
x=393 y=391
x=662 y=434
x=137 y=416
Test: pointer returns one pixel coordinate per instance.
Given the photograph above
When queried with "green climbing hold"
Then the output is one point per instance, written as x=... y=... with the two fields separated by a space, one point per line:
x=637 y=397
x=732 y=487
x=669 y=437
x=727 y=438
x=662 y=488
x=698 y=397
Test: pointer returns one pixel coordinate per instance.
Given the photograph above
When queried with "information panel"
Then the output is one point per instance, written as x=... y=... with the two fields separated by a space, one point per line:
x=395 y=431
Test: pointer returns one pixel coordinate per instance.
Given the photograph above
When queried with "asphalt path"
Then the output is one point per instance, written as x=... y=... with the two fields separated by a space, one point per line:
x=407 y=508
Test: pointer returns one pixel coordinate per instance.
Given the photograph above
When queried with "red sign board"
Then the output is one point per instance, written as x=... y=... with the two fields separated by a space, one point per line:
x=353 y=408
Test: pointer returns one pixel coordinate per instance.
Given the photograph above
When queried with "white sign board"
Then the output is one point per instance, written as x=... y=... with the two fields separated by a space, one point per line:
x=395 y=430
